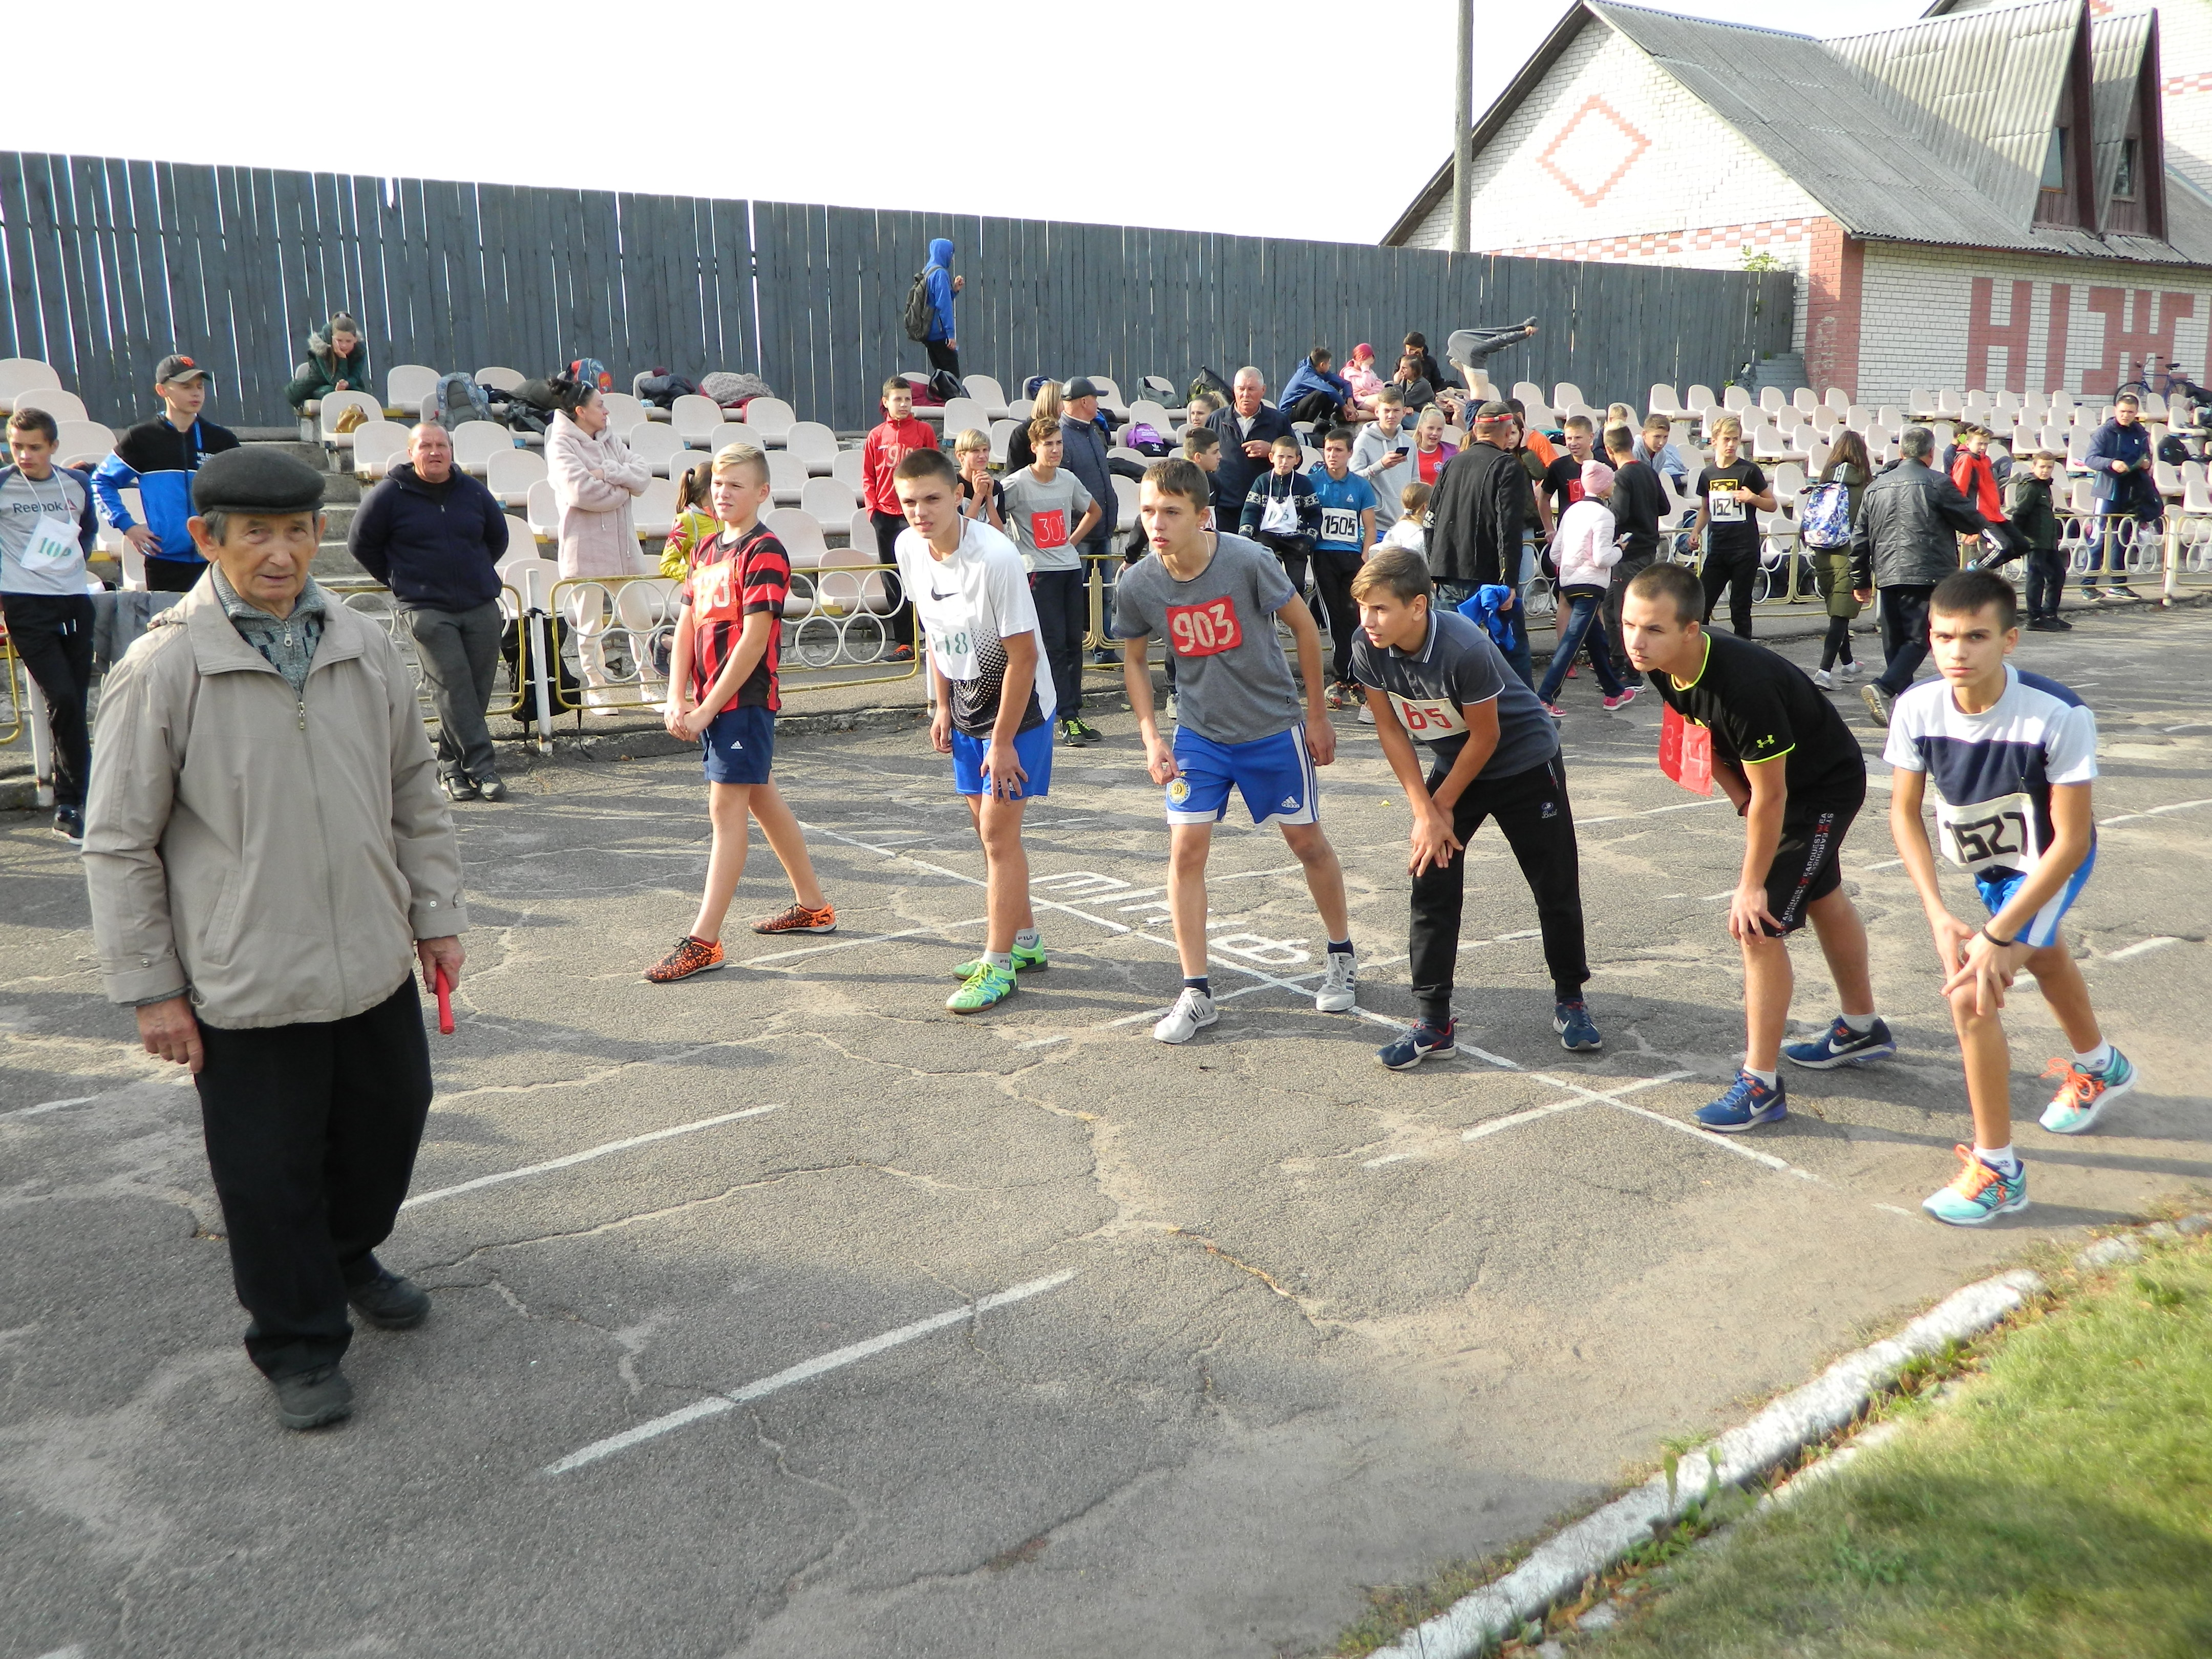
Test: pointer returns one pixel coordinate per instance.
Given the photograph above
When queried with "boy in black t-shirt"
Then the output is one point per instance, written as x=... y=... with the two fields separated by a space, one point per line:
x=1727 y=492
x=1784 y=756
x=1562 y=482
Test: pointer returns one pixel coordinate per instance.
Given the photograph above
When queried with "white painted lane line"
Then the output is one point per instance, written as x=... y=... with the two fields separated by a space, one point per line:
x=588 y=1155
x=48 y=1106
x=1782 y=1166
x=1514 y=1120
x=1652 y=811
x=2156 y=942
x=1534 y=1114
x=973 y=881
x=850 y=944
x=2155 y=812
x=1588 y=1093
x=805 y=1371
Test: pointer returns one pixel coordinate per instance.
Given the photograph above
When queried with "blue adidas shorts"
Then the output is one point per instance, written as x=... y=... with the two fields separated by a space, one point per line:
x=1032 y=748
x=1996 y=888
x=738 y=745
x=1274 y=775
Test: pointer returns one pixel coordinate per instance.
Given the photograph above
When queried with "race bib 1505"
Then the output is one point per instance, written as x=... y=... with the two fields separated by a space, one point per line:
x=1340 y=523
x=1204 y=630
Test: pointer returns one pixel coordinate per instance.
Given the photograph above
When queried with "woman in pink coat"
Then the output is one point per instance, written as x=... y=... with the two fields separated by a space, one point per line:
x=595 y=478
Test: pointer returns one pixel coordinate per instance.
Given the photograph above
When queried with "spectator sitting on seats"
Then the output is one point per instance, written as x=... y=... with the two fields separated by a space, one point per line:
x=898 y=435
x=595 y=478
x=1407 y=532
x=435 y=537
x=1202 y=408
x=1425 y=366
x=1656 y=449
x=337 y=362
x=1280 y=512
x=695 y=519
x=1248 y=429
x=983 y=498
x=1419 y=391
x=158 y=457
x=1359 y=374
x=47 y=529
x=1316 y=392
x=1048 y=404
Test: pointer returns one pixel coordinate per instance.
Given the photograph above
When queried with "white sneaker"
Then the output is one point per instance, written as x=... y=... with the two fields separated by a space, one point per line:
x=1366 y=714
x=1824 y=679
x=1851 y=670
x=1335 y=995
x=1194 y=1011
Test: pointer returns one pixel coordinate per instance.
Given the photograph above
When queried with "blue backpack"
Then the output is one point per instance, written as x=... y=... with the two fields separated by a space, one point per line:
x=458 y=398
x=1824 y=518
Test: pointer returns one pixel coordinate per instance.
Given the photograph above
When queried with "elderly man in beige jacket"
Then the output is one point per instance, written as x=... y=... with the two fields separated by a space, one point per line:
x=270 y=857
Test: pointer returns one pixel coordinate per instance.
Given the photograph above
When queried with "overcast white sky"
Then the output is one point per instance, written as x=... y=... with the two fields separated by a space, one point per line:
x=1096 y=110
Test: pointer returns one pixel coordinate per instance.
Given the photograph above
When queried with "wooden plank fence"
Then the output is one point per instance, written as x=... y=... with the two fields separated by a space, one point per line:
x=106 y=266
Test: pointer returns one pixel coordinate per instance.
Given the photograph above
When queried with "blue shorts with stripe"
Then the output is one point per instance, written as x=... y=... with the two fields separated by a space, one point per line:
x=1996 y=888
x=1274 y=775
x=1032 y=751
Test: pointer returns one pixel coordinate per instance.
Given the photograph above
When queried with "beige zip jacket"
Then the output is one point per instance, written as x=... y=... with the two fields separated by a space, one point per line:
x=280 y=856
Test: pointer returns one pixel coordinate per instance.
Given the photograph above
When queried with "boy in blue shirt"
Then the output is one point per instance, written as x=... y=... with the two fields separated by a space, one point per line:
x=1348 y=504
x=2013 y=756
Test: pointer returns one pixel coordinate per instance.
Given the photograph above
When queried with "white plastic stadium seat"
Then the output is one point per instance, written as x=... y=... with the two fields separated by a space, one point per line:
x=654 y=512
x=475 y=443
x=800 y=532
x=1771 y=400
x=1154 y=415
x=1567 y=395
x=657 y=446
x=1661 y=399
x=407 y=385
x=989 y=393
x=786 y=478
x=1529 y=392
x=770 y=418
x=511 y=472
x=378 y=446
x=849 y=466
x=965 y=414
x=78 y=439
x=713 y=442
x=623 y=411
x=62 y=406
x=531 y=577
x=1697 y=399
x=506 y=380
x=1002 y=434
x=21 y=375
x=813 y=446
x=1110 y=394
x=521 y=538
x=828 y=499
x=694 y=418
x=542 y=509
x=848 y=589
x=862 y=534
x=336 y=405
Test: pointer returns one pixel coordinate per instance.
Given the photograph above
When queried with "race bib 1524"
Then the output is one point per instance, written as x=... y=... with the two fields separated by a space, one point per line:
x=1204 y=630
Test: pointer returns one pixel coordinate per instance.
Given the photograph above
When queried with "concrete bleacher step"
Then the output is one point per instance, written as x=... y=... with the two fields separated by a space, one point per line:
x=341 y=494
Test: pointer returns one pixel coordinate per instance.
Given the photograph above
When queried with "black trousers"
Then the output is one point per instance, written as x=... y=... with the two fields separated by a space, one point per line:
x=1319 y=407
x=1616 y=590
x=1532 y=808
x=888 y=526
x=312 y=1131
x=943 y=357
x=1063 y=608
x=2010 y=544
x=2047 y=580
x=1903 y=634
x=174 y=576
x=1293 y=551
x=1334 y=570
x=1737 y=571
x=52 y=632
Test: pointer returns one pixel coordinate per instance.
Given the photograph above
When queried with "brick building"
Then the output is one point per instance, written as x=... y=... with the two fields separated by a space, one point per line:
x=2000 y=197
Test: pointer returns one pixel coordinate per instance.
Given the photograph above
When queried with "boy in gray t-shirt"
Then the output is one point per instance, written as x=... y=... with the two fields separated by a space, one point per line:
x=1495 y=754
x=1215 y=600
x=1049 y=512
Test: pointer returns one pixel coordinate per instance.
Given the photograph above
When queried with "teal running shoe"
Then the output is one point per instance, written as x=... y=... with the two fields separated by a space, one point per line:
x=2082 y=1096
x=1979 y=1194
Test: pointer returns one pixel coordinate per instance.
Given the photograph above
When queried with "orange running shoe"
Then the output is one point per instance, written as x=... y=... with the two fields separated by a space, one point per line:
x=691 y=956
x=800 y=919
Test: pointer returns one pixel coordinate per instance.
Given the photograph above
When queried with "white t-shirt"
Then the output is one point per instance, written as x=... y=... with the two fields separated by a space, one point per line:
x=969 y=604
x=1993 y=771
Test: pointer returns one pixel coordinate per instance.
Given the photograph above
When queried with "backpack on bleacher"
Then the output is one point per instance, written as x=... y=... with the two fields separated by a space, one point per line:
x=1145 y=440
x=919 y=313
x=458 y=398
x=1823 y=517
x=662 y=387
x=590 y=371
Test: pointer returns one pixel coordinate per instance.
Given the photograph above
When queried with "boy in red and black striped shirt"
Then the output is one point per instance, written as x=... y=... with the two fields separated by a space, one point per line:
x=722 y=691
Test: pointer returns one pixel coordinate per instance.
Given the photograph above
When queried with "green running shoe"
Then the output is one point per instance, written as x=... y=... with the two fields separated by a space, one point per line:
x=1026 y=956
x=987 y=988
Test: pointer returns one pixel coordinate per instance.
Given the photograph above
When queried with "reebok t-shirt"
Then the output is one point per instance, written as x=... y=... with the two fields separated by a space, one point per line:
x=1734 y=524
x=1342 y=501
x=1233 y=683
x=1760 y=707
x=1456 y=668
x=969 y=606
x=1042 y=517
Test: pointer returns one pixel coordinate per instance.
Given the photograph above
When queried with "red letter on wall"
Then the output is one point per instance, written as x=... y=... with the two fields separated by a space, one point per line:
x=2009 y=338
x=2054 y=346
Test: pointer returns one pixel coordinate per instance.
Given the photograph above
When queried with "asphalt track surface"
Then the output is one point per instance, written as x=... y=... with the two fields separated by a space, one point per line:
x=783 y=1313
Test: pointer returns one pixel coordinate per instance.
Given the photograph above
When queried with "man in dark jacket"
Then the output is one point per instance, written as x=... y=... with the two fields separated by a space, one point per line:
x=1248 y=429
x=435 y=537
x=1905 y=541
x=2127 y=495
x=1639 y=502
x=1476 y=517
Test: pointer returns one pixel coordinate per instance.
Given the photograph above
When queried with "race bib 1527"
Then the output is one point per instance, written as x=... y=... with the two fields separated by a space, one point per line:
x=1204 y=630
x=1988 y=835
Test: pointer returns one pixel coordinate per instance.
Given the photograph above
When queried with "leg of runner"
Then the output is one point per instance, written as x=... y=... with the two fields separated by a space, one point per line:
x=1768 y=985
x=1189 y=846
x=1858 y=1035
x=1325 y=881
x=1539 y=824
x=809 y=912
x=1006 y=869
x=2098 y=1072
x=727 y=807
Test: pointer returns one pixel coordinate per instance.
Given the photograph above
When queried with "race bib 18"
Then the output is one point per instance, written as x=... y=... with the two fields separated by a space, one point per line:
x=1204 y=630
x=1988 y=835
x=1429 y=721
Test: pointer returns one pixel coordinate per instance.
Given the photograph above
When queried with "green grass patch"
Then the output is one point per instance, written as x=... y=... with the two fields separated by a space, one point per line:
x=2058 y=1503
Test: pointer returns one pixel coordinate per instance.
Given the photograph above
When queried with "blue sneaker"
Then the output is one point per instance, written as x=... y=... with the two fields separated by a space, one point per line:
x=1417 y=1044
x=1842 y=1046
x=1747 y=1103
x=1571 y=1021
x=1978 y=1195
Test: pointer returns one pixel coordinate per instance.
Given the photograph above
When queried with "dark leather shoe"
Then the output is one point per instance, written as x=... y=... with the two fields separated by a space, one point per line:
x=308 y=1400
x=491 y=787
x=390 y=1302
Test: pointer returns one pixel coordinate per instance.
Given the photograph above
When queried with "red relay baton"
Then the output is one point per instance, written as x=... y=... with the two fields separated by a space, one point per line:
x=445 y=1004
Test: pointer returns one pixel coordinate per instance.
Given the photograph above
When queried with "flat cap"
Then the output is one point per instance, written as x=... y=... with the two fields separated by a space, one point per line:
x=255 y=478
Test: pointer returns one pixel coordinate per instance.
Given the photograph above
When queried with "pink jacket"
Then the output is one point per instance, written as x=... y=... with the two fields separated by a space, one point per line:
x=593 y=480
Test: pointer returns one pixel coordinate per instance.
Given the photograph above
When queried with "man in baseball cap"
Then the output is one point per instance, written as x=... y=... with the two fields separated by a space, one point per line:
x=157 y=458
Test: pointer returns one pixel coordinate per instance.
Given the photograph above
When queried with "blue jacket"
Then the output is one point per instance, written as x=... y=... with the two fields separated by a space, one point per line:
x=158 y=461
x=2137 y=492
x=940 y=272
x=1309 y=380
x=1482 y=606
x=434 y=555
x=1083 y=452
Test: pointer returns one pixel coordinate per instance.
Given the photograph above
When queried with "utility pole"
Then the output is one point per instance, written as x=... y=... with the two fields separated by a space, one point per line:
x=1463 y=126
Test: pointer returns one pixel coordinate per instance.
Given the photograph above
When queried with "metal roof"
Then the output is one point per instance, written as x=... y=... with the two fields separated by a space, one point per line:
x=1933 y=132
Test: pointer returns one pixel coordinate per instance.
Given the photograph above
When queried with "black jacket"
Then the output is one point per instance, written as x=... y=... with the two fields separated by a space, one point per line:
x=1237 y=468
x=1476 y=516
x=1910 y=521
x=1083 y=452
x=433 y=554
x=2028 y=505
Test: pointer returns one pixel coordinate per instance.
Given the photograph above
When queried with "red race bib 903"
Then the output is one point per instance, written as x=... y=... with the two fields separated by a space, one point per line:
x=1050 y=529
x=1204 y=630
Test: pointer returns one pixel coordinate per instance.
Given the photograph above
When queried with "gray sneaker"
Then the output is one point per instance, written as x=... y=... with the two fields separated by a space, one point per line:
x=1336 y=995
x=1879 y=702
x=1194 y=1011
x=308 y=1400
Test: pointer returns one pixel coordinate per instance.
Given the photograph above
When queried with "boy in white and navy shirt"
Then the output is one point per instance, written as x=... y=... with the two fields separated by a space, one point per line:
x=2012 y=756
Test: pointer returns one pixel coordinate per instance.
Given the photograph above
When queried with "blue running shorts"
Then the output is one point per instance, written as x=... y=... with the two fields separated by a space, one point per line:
x=738 y=745
x=1032 y=748
x=1274 y=775
x=1996 y=888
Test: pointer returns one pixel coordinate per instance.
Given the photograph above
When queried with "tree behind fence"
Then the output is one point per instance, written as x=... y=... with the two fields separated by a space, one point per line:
x=111 y=265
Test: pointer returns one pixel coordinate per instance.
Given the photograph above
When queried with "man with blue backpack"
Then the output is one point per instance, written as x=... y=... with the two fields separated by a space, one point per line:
x=938 y=286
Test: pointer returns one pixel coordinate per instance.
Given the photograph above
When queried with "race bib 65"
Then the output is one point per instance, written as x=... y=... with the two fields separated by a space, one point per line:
x=1204 y=630
x=1429 y=721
